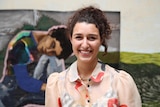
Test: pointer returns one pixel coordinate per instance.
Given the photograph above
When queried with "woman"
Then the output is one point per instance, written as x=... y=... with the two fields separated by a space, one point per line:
x=88 y=82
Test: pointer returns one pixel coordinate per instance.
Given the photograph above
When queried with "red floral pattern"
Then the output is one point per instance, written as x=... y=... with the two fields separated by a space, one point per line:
x=98 y=78
x=112 y=102
x=59 y=102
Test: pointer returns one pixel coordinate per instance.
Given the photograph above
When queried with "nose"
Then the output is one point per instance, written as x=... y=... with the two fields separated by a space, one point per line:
x=85 y=43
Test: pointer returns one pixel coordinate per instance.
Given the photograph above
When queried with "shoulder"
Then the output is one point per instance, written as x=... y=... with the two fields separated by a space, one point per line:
x=24 y=32
x=120 y=76
x=117 y=72
x=125 y=86
x=56 y=78
x=19 y=36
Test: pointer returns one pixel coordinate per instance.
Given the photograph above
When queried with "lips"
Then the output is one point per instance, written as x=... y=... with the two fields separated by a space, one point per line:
x=85 y=53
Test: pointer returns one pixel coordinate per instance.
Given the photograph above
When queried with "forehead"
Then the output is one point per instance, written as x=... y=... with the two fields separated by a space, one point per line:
x=85 y=28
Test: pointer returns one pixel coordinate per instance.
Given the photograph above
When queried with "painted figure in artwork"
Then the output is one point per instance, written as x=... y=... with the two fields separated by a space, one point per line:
x=30 y=58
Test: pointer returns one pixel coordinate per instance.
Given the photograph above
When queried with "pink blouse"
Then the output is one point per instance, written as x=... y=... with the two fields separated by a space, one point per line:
x=106 y=87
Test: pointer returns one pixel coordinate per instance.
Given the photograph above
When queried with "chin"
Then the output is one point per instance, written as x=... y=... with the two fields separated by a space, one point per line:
x=85 y=60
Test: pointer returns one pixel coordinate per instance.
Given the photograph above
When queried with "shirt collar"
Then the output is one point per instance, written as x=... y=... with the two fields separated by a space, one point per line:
x=97 y=74
x=73 y=73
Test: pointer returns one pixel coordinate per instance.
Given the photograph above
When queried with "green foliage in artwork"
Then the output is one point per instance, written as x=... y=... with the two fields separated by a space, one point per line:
x=140 y=58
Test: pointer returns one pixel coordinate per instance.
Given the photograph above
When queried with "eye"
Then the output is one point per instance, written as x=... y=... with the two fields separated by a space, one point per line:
x=53 y=45
x=92 y=38
x=78 y=37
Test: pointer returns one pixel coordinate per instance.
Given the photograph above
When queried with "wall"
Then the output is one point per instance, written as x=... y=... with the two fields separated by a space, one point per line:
x=139 y=18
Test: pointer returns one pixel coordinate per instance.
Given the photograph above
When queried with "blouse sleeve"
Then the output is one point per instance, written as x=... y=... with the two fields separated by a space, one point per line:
x=127 y=90
x=51 y=94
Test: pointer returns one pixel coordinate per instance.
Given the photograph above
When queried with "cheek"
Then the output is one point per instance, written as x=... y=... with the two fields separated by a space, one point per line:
x=75 y=44
x=47 y=44
x=96 y=46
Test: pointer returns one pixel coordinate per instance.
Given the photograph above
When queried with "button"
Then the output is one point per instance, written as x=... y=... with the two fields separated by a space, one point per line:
x=88 y=85
x=88 y=101
x=89 y=79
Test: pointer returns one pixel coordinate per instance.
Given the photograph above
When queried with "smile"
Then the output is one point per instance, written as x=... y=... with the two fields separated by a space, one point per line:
x=85 y=52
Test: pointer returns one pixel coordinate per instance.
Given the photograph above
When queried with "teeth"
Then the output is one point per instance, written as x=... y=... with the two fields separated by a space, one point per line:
x=85 y=52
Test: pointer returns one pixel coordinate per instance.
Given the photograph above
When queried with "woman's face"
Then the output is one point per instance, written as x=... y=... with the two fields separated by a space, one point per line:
x=49 y=46
x=85 y=41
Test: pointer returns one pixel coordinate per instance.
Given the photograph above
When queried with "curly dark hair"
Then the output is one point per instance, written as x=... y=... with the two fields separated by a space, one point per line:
x=91 y=15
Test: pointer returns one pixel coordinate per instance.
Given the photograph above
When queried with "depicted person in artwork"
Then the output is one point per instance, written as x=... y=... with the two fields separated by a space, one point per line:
x=30 y=58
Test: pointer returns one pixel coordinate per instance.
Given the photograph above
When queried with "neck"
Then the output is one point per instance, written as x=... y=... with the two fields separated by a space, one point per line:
x=85 y=69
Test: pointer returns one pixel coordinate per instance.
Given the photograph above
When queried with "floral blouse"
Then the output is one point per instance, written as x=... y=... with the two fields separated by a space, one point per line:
x=106 y=87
